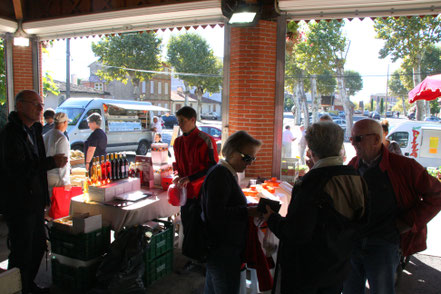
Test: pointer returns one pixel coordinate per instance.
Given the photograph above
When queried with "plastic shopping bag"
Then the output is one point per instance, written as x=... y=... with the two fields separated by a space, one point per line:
x=60 y=201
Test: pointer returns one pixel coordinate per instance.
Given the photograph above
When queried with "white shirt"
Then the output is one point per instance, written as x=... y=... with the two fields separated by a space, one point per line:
x=55 y=142
x=287 y=136
x=158 y=126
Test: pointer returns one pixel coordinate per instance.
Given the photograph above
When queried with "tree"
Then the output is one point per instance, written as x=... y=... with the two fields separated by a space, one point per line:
x=353 y=82
x=326 y=49
x=194 y=61
x=397 y=89
x=118 y=53
x=326 y=83
x=49 y=85
x=408 y=38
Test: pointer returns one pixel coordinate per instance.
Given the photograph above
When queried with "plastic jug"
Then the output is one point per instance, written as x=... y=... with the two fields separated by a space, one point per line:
x=176 y=196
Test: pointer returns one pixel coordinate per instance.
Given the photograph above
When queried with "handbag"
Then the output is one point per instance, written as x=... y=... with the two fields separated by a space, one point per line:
x=60 y=201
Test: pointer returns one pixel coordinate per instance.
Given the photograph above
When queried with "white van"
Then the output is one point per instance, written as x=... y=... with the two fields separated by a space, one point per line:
x=419 y=140
x=127 y=123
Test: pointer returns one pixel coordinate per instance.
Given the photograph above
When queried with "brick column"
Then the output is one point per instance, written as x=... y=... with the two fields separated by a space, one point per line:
x=253 y=89
x=22 y=68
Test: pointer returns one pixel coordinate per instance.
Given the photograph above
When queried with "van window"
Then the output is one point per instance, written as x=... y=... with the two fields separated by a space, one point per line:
x=73 y=114
x=83 y=125
x=402 y=138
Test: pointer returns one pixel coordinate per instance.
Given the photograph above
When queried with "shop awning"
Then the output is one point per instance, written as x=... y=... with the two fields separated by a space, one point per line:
x=138 y=106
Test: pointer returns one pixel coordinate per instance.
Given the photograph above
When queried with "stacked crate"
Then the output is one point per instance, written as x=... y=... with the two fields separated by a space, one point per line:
x=76 y=257
x=158 y=255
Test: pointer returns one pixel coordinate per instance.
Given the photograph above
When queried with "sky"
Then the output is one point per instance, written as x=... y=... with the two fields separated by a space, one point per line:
x=362 y=55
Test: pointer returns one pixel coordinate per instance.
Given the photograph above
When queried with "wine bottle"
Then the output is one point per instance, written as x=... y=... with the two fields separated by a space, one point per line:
x=108 y=169
x=126 y=164
x=112 y=166
x=117 y=167
x=121 y=166
x=99 y=174
x=103 y=171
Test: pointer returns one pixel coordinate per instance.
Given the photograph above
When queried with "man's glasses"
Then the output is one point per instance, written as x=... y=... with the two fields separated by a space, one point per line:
x=36 y=104
x=247 y=158
x=359 y=138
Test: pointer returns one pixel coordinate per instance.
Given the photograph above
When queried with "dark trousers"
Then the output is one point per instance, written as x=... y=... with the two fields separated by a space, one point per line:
x=223 y=271
x=27 y=243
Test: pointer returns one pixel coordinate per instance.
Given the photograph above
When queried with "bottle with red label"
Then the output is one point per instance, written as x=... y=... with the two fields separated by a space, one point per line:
x=103 y=171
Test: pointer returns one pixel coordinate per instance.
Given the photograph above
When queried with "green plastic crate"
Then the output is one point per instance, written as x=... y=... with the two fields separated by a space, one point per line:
x=160 y=243
x=76 y=278
x=158 y=268
x=84 y=246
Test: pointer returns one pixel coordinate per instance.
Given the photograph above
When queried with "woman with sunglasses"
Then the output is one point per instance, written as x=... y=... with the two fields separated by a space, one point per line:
x=225 y=213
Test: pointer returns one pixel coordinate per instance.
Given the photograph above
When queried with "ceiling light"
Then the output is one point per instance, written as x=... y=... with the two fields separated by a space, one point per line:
x=242 y=17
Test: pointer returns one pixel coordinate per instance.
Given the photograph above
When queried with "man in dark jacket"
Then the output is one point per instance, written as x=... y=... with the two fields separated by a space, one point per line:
x=23 y=166
x=404 y=198
x=318 y=232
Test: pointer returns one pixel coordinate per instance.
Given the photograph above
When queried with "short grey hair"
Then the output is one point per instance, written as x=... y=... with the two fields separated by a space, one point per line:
x=325 y=139
x=237 y=141
x=95 y=117
x=22 y=95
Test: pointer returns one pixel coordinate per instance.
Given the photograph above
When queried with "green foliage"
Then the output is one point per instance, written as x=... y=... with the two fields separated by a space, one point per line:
x=190 y=54
x=134 y=50
x=353 y=82
x=49 y=86
x=326 y=83
x=430 y=65
x=372 y=104
x=396 y=86
x=399 y=106
x=321 y=50
x=381 y=106
x=434 y=106
x=289 y=103
x=407 y=37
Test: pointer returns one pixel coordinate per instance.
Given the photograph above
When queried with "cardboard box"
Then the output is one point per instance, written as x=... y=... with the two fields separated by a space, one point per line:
x=79 y=223
x=159 y=153
x=160 y=171
x=104 y=193
x=146 y=167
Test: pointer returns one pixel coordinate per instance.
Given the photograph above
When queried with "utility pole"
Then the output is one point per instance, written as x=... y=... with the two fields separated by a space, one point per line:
x=387 y=89
x=67 y=68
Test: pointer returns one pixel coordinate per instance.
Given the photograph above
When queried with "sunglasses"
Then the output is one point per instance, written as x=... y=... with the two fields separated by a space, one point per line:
x=247 y=158
x=359 y=138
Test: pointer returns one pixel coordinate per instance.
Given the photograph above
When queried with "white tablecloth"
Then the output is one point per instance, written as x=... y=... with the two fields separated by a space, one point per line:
x=134 y=214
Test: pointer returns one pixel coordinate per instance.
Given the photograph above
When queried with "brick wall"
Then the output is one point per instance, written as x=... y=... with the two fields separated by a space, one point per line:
x=22 y=68
x=253 y=88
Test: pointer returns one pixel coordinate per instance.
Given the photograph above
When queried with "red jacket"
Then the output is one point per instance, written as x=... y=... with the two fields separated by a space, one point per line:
x=418 y=196
x=195 y=153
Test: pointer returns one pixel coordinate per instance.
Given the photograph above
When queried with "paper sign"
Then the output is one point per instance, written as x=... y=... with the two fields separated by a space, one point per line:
x=433 y=145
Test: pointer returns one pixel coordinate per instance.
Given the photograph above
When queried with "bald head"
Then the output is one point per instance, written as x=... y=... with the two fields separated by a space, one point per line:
x=367 y=135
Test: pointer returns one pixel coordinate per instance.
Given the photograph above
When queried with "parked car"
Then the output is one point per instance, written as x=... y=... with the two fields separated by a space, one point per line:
x=341 y=114
x=169 y=121
x=366 y=113
x=358 y=111
x=210 y=115
x=389 y=114
x=341 y=122
x=433 y=118
x=411 y=115
x=216 y=133
x=375 y=115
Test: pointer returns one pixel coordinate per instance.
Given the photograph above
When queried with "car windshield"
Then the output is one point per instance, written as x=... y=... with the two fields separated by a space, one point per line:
x=74 y=114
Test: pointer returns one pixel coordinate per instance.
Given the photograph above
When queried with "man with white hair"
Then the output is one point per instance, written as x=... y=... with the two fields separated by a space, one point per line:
x=55 y=142
x=404 y=198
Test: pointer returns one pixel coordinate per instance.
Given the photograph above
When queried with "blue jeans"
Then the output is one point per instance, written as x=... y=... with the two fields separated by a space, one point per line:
x=375 y=260
x=223 y=272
